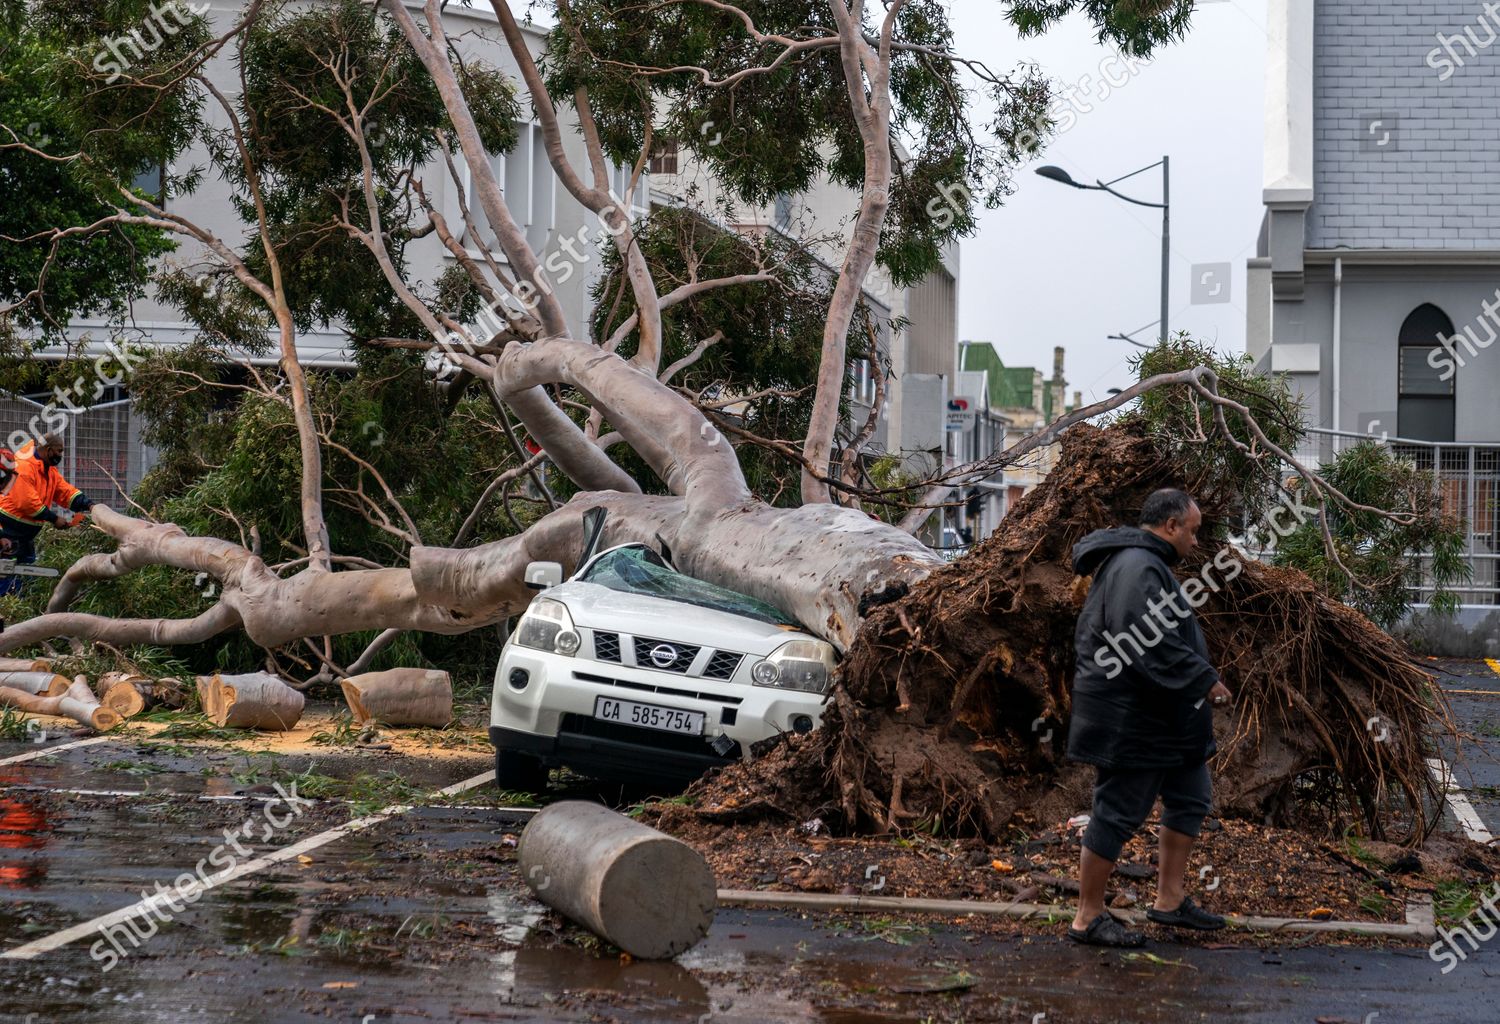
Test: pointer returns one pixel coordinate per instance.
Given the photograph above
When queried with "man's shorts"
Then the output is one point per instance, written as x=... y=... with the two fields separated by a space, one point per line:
x=1123 y=799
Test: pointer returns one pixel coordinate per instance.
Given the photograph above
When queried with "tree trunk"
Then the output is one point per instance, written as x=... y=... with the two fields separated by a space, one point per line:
x=77 y=703
x=646 y=892
x=256 y=700
x=400 y=696
x=43 y=684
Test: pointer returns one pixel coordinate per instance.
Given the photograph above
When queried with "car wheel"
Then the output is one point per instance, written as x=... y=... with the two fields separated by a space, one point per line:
x=519 y=773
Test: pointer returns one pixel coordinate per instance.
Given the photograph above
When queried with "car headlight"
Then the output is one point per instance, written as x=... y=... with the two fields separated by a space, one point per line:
x=547 y=626
x=797 y=665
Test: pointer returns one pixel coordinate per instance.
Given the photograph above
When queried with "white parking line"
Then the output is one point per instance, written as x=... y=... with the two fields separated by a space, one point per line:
x=34 y=754
x=57 y=940
x=1463 y=810
x=212 y=798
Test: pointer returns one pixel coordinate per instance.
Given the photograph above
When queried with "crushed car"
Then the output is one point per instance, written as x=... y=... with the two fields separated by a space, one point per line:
x=633 y=671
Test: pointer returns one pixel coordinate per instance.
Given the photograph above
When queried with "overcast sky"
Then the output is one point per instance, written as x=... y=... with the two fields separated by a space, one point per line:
x=1059 y=266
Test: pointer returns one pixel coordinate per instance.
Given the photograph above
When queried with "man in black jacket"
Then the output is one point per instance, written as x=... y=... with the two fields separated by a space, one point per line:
x=1143 y=699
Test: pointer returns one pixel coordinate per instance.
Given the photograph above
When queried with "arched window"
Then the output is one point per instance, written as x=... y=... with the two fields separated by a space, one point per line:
x=1424 y=404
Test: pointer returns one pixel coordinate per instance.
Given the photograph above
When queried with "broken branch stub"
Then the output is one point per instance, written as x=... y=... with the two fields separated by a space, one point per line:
x=255 y=700
x=648 y=893
x=36 y=683
x=400 y=696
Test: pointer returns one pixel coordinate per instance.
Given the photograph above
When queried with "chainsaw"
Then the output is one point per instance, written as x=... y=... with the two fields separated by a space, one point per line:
x=10 y=567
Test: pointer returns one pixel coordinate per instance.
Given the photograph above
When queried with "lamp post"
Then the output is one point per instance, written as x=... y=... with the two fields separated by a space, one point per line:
x=1130 y=336
x=1058 y=174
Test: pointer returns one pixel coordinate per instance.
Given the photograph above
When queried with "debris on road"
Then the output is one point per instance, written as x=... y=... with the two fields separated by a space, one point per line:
x=1237 y=867
x=38 y=683
x=165 y=692
x=400 y=696
x=76 y=702
x=650 y=894
x=256 y=700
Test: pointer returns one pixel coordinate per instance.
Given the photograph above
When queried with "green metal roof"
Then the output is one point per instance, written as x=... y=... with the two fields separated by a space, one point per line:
x=1010 y=387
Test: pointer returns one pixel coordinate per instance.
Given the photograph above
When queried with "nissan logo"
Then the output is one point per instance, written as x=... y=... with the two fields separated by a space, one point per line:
x=663 y=655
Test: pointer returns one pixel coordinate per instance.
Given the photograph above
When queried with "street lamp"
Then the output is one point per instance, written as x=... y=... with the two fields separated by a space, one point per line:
x=1060 y=175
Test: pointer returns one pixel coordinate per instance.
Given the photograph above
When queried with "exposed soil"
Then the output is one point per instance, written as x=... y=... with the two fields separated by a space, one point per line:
x=952 y=712
x=1236 y=867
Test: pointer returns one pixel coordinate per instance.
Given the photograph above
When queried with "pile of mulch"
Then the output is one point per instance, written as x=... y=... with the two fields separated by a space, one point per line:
x=1237 y=867
x=951 y=711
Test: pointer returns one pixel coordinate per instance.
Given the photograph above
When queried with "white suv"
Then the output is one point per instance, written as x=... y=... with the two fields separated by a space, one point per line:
x=632 y=671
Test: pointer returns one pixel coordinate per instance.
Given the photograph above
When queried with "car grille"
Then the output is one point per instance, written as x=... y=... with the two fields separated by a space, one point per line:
x=722 y=665
x=681 y=662
x=606 y=646
x=609 y=647
x=671 y=691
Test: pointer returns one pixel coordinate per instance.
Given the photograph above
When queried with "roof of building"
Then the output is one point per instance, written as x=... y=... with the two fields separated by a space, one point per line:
x=1010 y=387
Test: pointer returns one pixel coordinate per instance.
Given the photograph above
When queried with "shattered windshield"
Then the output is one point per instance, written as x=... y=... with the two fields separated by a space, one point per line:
x=638 y=570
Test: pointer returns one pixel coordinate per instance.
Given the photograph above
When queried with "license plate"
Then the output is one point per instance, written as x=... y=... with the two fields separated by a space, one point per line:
x=649 y=716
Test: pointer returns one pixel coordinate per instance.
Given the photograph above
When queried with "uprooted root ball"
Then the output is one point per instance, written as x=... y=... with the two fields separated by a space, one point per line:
x=952 y=710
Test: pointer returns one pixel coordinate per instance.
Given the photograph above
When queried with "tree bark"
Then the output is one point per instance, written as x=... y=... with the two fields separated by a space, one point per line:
x=256 y=700
x=44 y=684
x=872 y=115
x=25 y=665
x=400 y=696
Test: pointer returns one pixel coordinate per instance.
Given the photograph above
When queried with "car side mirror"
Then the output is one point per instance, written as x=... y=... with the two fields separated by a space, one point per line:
x=541 y=575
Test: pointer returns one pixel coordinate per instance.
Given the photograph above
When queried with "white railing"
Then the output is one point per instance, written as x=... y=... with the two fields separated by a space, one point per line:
x=1465 y=476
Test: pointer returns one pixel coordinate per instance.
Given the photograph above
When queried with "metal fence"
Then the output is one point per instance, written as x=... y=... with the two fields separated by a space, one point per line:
x=103 y=455
x=1465 y=476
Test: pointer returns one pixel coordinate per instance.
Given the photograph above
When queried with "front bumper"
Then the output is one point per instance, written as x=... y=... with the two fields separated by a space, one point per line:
x=611 y=757
x=552 y=716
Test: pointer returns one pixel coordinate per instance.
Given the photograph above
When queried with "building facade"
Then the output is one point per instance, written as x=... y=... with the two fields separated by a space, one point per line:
x=992 y=407
x=1377 y=273
x=1376 y=281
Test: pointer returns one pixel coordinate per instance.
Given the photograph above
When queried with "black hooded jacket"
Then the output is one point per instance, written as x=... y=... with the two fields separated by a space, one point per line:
x=1139 y=674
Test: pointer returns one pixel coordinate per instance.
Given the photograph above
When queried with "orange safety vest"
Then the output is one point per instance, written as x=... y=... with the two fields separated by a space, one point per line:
x=36 y=486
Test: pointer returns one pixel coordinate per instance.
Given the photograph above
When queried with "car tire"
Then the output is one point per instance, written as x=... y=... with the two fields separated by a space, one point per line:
x=519 y=773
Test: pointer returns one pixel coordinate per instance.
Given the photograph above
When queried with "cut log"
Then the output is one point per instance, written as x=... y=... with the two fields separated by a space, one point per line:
x=255 y=700
x=110 y=679
x=401 y=696
x=167 y=692
x=77 y=703
x=38 y=683
x=122 y=698
x=25 y=665
x=648 y=893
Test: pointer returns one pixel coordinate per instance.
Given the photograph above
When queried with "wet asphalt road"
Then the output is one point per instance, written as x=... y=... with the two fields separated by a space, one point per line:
x=419 y=917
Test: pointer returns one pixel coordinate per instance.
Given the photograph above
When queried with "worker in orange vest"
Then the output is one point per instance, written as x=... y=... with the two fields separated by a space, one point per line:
x=37 y=496
x=7 y=477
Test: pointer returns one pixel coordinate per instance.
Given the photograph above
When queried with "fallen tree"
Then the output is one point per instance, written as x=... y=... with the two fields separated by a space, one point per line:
x=947 y=668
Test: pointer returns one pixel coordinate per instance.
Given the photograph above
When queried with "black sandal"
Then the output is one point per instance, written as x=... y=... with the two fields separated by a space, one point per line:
x=1187 y=915
x=1106 y=930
